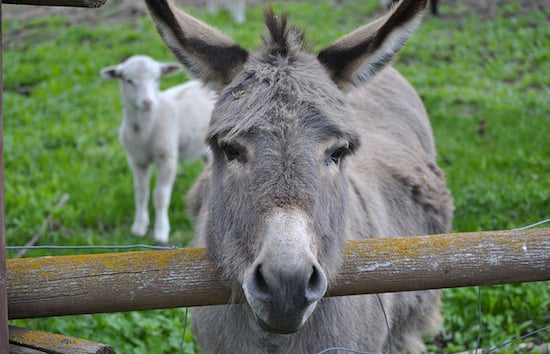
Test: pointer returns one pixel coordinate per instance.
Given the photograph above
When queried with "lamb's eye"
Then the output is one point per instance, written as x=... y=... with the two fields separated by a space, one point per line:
x=130 y=82
x=234 y=152
x=337 y=152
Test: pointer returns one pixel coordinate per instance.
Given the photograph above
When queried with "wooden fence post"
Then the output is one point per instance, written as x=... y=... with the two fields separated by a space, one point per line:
x=3 y=271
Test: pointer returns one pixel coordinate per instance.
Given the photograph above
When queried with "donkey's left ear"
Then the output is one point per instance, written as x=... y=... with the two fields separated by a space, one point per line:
x=360 y=55
x=207 y=54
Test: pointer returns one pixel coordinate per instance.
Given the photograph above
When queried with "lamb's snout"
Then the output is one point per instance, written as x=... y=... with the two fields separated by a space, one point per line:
x=147 y=96
x=146 y=104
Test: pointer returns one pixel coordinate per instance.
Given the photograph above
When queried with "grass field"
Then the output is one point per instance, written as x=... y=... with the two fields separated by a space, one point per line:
x=484 y=79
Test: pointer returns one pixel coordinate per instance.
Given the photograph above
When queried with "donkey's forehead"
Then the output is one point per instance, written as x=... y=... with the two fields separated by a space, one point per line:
x=279 y=92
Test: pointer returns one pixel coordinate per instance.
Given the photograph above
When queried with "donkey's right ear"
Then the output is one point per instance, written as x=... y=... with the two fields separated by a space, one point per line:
x=208 y=55
x=363 y=53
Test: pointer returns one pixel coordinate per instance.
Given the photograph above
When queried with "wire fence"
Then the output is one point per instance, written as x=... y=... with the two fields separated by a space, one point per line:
x=545 y=349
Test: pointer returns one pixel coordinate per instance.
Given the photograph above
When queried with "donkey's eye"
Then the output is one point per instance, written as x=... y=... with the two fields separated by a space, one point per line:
x=336 y=156
x=337 y=152
x=233 y=152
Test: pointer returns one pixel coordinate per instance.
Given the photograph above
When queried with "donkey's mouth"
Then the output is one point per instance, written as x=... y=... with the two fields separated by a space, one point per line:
x=282 y=322
x=277 y=330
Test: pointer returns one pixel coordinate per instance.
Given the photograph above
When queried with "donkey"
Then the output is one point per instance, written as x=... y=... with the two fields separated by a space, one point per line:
x=309 y=151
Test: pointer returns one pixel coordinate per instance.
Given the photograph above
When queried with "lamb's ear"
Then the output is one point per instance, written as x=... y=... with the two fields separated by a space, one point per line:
x=361 y=54
x=110 y=72
x=167 y=69
x=208 y=55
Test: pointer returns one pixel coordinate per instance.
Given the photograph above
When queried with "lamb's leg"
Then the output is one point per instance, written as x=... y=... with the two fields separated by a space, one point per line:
x=162 y=194
x=212 y=6
x=141 y=194
x=434 y=7
x=238 y=10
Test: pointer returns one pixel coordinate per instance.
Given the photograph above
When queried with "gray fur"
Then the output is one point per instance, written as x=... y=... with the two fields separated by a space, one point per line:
x=287 y=138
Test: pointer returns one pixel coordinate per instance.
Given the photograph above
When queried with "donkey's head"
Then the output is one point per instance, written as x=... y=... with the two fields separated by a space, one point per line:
x=280 y=134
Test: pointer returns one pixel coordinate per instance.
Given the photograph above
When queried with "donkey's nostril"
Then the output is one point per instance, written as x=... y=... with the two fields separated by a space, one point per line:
x=259 y=281
x=317 y=285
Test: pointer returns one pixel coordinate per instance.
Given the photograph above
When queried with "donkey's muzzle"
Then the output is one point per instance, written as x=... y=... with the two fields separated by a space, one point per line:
x=283 y=294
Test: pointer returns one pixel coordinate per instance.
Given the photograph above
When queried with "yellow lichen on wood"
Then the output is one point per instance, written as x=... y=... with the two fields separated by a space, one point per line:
x=55 y=343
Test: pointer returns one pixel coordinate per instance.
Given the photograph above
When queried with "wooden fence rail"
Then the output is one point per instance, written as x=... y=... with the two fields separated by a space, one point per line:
x=114 y=282
x=75 y=3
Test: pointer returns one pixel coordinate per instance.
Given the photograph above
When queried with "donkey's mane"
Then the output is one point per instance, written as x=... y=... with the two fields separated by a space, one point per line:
x=284 y=40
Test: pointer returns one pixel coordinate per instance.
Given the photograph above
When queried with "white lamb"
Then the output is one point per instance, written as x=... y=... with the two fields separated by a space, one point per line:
x=159 y=127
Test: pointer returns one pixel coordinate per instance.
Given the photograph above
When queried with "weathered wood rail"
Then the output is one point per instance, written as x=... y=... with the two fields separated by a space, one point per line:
x=114 y=282
x=27 y=341
x=72 y=3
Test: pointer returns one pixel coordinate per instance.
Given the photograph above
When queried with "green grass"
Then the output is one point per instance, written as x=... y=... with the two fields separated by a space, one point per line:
x=485 y=84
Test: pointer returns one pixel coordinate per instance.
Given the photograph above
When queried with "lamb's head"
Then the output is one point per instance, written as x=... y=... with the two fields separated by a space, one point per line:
x=139 y=77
